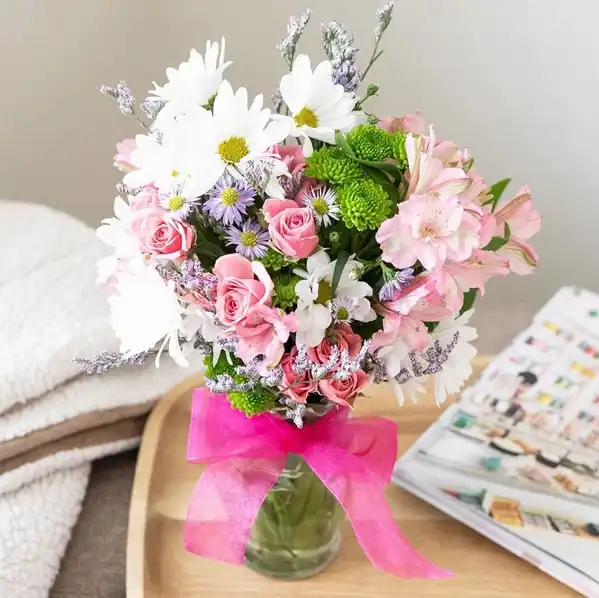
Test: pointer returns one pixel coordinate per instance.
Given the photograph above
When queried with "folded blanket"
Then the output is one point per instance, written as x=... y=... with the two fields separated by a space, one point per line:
x=53 y=420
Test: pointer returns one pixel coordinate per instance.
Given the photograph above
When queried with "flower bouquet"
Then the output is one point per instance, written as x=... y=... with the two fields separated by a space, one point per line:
x=307 y=251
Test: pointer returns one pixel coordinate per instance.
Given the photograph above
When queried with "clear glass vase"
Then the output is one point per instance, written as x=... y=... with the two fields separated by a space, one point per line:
x=296 y=533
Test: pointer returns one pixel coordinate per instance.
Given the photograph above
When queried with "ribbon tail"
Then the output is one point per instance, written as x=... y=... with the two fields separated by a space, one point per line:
x=224 y=506
x=363 y=500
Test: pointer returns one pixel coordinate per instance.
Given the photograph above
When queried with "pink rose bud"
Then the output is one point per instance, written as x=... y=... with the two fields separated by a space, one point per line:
x=159 y=235
x=293 y=232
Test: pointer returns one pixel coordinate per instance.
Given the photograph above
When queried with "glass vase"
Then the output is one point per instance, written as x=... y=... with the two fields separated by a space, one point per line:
x=296 y=533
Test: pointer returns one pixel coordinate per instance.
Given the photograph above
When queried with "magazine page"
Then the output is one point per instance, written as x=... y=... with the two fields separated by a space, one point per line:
x=521 y=446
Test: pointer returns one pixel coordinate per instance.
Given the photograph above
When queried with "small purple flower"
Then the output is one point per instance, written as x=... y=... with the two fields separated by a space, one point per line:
x=251 y=240
x=229 y=200
x=402 y=279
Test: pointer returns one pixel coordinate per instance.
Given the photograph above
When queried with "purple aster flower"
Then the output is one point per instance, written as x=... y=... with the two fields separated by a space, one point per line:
x=251 y=240
x=402 y=279
x=229 y=199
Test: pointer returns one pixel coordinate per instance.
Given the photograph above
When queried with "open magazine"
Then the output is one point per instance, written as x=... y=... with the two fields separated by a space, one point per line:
x=517 y=456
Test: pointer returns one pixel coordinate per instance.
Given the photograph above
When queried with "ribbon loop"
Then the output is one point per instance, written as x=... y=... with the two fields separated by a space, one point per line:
x=245 y=457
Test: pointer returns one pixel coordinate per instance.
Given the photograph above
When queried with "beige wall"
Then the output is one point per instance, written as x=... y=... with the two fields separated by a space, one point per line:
x=516 y=80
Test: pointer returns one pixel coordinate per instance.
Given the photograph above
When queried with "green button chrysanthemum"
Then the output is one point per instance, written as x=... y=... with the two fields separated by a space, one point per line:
x=398 y=142
x=274 y=260
x=364 y=204
x=370 y=143
x=253 y=402
x=332 y=164
x=284 y=287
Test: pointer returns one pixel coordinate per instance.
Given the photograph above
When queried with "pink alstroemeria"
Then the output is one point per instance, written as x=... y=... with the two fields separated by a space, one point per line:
x=524 y=221
x=263 y=332
x=429 y=229
x=430 y=298
x=122 y=158
x=478 y=191
x=478 y=269
x=401 y=334
x=427 y=173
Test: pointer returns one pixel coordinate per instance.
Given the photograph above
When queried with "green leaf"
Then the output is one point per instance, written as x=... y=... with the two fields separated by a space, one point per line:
x=508 y=233
x=339 y=265
x=496 y=192
x=385 y=166
x=341 y=141
x=495 y=244
x=377 y=176
x=469 y=298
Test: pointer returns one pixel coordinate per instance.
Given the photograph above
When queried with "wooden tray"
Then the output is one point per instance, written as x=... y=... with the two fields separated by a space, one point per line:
x=159 y=566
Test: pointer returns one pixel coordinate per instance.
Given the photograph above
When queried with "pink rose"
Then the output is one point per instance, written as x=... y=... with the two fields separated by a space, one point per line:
x=341 y=336
x=344 y=392
x=264 y=331
x=237 y=290
x=298 y=386
x=273 y=206
x=162 y=236
x=146 y=199
x=293 y=231
x=122 y=158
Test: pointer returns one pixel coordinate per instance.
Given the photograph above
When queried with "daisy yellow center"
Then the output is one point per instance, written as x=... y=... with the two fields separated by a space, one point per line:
x=325 y=292
x=306 y=118
x=175 y=203
x=229 y=196
x=232 y=150
x=321 y=207
x=249 y=238
x=342 y=314
x=174 y=173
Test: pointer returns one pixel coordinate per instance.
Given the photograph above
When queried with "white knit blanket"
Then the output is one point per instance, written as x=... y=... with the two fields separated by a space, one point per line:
x=50 y=311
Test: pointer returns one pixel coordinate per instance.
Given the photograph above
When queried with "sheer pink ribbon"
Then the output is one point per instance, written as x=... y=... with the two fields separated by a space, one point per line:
x=353 y=457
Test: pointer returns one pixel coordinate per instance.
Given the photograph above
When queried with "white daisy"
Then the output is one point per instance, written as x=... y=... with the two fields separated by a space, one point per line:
x=178 y=203
x=410 y=389
x=156 y=160
x=201 y=146
x=316 y=299
x=194 y=83
x=116 y=233
x=458 y=367
x=322 y=202
x=144 y=311
x=318 y=106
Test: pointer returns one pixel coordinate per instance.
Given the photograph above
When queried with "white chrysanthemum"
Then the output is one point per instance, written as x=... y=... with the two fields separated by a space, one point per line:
x=316 y=299
x=458 y=367
x=318 y=106
x=201 y=146
x=144 y=311
x=194 y=83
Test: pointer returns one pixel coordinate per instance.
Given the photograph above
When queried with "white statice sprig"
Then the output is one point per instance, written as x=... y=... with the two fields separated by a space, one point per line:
x=295 y=29
x=340 y=50
x=383 y=20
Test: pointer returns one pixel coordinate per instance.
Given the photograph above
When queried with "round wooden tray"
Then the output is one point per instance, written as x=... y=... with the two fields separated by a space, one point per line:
x=159 y=566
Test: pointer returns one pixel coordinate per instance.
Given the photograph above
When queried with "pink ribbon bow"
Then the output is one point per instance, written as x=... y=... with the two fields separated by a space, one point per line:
x=354 y=458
